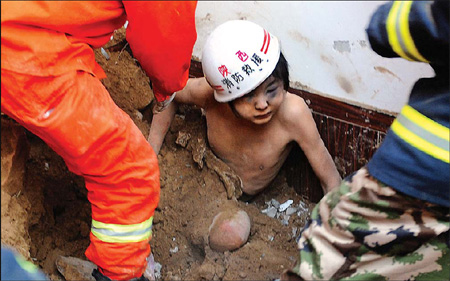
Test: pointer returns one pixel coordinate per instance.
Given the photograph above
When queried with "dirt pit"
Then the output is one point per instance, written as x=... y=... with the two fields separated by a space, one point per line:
x=54 y=213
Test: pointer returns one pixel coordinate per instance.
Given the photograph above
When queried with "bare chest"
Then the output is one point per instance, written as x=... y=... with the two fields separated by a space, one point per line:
x=256 y=154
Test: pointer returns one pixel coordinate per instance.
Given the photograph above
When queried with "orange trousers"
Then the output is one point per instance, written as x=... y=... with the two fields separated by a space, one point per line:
x=75 y=115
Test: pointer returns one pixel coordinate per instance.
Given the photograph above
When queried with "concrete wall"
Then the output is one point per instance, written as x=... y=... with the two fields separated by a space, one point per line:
x=326 y=47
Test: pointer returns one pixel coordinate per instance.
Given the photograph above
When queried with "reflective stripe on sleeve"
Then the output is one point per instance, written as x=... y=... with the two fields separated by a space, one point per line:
x=397 y=26
x=26 y=265
x=422 y=133
x=119 y=233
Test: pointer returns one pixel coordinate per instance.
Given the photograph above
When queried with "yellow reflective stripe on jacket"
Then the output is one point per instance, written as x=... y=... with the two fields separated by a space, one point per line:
x=397 y=26
x=426 y=123
x=119 y=233
x=423 y=133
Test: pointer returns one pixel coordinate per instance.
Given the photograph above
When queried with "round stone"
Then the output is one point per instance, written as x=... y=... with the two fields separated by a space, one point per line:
x=229 y=230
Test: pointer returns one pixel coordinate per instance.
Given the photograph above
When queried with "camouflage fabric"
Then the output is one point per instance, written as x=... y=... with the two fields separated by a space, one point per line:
x=365 y=230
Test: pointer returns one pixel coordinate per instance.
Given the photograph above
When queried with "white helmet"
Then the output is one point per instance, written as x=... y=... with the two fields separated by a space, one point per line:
x=237 y=57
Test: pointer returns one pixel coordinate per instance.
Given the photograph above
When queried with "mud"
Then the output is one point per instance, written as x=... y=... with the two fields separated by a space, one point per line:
x=51 y=215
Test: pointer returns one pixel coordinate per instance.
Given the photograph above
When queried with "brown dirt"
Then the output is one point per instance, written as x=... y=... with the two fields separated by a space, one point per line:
x=55 y=213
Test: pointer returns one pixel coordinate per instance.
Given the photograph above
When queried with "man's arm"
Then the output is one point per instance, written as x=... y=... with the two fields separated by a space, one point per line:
x=420 y=35
x=197 y=92
x=304 y=128
x=161 y=35
x=160 y=126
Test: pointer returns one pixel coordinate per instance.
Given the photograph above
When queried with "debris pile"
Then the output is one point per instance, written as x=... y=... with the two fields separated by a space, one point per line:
x=284 y=211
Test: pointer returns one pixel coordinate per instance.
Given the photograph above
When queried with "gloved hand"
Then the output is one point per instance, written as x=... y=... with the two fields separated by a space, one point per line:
x=159 y=106
x=100 y=277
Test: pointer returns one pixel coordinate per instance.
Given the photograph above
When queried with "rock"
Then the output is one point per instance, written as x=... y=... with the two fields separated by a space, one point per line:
x=75 y=269
x=285 y=205
x=229 y=230
x=294 y=232
x=198 y=151
x=105 y=54
x=242 y=274
x=172 y=276
x=271 y=212
x=275 y=203
x=207 y=271
x=139 y=116
x=174 y=250
x=291 y=211
x=153 y=269
x=182 y=139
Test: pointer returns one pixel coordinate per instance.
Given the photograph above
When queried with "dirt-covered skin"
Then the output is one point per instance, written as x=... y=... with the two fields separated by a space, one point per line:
x=58 y=213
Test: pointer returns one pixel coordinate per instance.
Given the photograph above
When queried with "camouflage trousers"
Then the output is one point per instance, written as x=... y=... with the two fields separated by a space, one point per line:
x=365 y=230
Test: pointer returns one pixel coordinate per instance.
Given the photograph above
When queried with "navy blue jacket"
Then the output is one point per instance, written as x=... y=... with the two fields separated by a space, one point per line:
x=414 y=156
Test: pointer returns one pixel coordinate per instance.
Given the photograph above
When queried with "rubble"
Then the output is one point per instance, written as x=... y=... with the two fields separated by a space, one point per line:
x=284 y=211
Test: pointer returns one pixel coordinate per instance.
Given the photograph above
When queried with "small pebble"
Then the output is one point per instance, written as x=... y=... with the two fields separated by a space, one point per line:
x=138 y=115
x=242 y=274
x=174 y=250
x=158 y=268
x=294 y=231
x=285 y=205
x=291 y=211
x=275 y=203
x=104 y=53
x=271 y=212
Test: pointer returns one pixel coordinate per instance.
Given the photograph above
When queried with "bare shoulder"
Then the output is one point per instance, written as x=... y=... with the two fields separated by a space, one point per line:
x=296 y=117
x=294 y=110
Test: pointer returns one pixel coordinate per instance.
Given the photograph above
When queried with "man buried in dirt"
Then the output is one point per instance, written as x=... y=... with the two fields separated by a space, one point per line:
x=252 y=121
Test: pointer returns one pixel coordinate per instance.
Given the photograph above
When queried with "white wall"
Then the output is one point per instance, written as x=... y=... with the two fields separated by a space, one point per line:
x=326 y=47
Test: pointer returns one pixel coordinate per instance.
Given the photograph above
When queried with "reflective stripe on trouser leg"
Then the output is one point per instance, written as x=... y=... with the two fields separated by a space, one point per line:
x=118 y=233
x=75 y=116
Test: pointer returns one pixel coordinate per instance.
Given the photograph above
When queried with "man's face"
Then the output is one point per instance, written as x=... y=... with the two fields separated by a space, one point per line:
x=261 y=104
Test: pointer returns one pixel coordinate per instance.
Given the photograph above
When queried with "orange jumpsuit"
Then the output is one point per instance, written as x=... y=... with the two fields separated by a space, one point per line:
x=50 y=84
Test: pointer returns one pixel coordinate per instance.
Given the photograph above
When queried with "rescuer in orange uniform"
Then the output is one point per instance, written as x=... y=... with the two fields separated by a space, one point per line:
x=50 y=84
